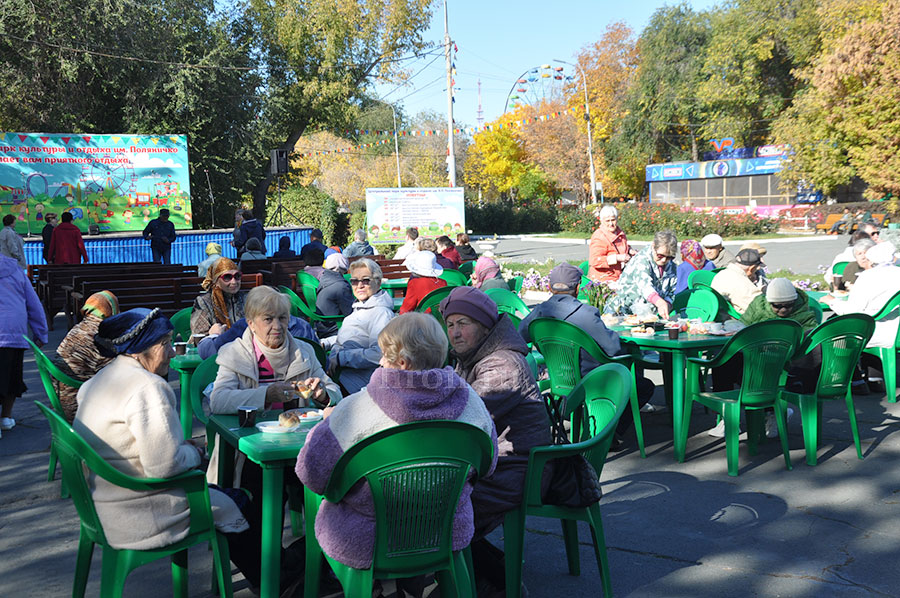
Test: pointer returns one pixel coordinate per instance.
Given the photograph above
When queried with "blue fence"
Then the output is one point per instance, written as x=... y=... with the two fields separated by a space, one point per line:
x=189 y=247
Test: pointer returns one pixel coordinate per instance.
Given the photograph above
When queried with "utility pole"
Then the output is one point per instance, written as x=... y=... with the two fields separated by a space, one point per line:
x=479 y=114
x=587 y=117
x=451 y=154
x=396 y=145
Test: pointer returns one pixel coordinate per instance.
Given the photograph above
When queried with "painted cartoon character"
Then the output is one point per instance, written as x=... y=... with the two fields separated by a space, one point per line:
x=23 y=212
x=146 y=214
x=105 y=211
x=70 y=199
x=39 y=209
x=126 y=216
x=187 y=217
x=77 y=213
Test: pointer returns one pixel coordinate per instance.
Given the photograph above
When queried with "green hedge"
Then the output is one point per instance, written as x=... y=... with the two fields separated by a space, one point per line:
x=312 y=207
x=503 y=219
x=649 y=218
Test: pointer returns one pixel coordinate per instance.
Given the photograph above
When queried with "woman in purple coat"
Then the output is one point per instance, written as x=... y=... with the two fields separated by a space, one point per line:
x=411 y=385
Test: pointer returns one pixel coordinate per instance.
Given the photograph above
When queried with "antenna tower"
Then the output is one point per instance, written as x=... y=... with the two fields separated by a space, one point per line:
x=479 y=114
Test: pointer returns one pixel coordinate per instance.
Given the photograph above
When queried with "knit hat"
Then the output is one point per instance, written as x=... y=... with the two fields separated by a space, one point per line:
x=337 y=262
x=423 y=263
x=711 y=240
x=485 y=269
x=565 y=277
x=213 y=249
x=132 y=331
x=253 y=244
x=882 y=253
x=748 y=257
x=780 y=290
x=102 y=305
x=471 y=302
x=692 y=253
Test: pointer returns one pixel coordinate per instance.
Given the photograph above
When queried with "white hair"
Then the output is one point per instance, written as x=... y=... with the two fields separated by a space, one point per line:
x=607 y=211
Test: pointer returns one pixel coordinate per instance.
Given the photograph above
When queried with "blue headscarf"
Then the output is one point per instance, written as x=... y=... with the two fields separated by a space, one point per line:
x=132 y=331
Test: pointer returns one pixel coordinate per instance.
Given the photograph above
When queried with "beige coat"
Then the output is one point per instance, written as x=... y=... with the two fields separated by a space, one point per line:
x=129 y=416
x=733 y=284
x=237 y=384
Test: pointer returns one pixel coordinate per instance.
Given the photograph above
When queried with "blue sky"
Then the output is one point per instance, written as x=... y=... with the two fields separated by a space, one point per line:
x=498 y=40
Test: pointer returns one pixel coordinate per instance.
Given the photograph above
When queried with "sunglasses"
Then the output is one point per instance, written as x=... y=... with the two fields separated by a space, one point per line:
x=781 y=306
x=662 y=256
x=360 y=281
x=230 y=277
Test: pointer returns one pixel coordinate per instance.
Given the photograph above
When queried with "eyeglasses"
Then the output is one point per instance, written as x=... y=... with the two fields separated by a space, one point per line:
x=662 y=256
x=781 y=306
x=874 y=233
x=360 y=281
x=230 y=277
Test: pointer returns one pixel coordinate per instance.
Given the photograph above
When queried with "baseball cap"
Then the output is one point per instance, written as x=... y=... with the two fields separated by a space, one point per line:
x=748 y=257
x=565 y=277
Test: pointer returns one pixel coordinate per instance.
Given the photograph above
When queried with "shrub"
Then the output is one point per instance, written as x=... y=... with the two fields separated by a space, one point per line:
x=312 y=207
x=503 y=219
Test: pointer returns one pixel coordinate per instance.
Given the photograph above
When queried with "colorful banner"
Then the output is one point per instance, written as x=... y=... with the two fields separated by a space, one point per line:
x=712 y=170
x=434 y=211
x=118 y=182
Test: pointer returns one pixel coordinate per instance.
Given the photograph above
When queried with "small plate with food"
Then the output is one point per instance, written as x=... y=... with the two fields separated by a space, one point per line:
x=642 y=332
x=273 y=427
x=295 y=417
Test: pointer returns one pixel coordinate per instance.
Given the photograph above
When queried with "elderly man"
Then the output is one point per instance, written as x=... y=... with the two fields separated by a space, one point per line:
x=315 y=242
x=404 y=251
x=737 y=281
x=359 y=246
x=564 y=305
x=715 y=251
x=491 y=358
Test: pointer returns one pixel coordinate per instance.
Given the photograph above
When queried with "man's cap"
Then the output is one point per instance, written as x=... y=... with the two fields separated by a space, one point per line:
x=565 y=277
x=780 y=290
x=748 y=257
x=752 y=245
x=711 y=240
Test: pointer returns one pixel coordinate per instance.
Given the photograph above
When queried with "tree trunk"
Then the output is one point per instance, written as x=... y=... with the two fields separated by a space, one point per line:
x=261 y=190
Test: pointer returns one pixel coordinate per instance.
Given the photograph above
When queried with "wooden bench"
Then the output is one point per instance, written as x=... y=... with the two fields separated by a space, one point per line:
x=830 y=220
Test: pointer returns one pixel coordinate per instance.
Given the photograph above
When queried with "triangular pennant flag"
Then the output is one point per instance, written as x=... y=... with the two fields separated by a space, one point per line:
x=44 y=139
x=65 y=140
x=155 y=140
x=87 y=139
x=23 y=137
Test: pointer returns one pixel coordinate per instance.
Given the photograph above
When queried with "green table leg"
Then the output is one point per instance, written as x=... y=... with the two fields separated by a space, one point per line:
x=187 y=414
x=678 y=402
x=272 y=521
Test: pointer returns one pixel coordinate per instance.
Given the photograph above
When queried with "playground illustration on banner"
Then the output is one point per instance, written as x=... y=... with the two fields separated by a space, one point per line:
x=118 y=182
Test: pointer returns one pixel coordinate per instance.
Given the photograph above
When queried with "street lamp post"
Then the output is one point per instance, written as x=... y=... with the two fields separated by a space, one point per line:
x=396 y=145
x=587 y=109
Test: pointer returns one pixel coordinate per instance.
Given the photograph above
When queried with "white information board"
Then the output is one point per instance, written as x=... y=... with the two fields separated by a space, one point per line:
x=434 y=211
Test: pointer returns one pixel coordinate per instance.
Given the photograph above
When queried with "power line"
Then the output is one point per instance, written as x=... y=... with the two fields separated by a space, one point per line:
x=419 y=72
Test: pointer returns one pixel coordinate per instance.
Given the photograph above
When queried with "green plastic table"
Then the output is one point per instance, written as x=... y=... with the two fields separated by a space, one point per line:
x=272 y=452
x=687 y=345
x=817 y=295
x=185 y=366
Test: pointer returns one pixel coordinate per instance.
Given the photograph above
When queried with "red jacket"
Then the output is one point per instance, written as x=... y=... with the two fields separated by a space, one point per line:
x=417 y=289
x=66 y=245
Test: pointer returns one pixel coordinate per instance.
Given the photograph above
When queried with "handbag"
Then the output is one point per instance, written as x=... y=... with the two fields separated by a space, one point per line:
x=574 y=482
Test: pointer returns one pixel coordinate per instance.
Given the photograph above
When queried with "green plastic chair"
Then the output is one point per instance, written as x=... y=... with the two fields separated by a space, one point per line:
x=308 y=285
x=696 y=303
x=300 y=309
x=888 y=355
x=582 y=295
x=454 y=278
x=508 y=302
x=583 y=266
x=51 y=378
x=432 y=300
x=817 y=310
x=766 y=347
x=74 y=455
x=515 y=284
x=700 y=278
x=561 y=344
x=466 y=268
x=594 y=407
x=204 y=374
x=182 y=323
x=838 y=268
x=842 y=339
x=416 y=474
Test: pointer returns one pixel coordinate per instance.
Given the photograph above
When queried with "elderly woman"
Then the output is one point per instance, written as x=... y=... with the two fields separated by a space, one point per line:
x=486 y=275
x=337 y=262
x=648 y=281
x=692 y=259
x=411 y=385
x=464 y=248
x=423 y=244
x=78 y=354
x=223 y=302
x=354 y=349
x=213 y=253
x=424 y=271
x=127 y=413
x=609 y=249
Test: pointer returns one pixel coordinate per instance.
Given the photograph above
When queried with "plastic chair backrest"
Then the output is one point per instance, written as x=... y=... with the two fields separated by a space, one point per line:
x=182 y=323
x=515 y=284
x=51 y=375
x=204 y=374
x=697 y=303
x=320 y=352
x=766 y=347
x=416 y=474
x=583 y=266
x=508 y=302
x=466 y=268
x=892 y=304
x=454 y=278
x=561 y=344
x=842 y=340
x=582 y=294
x=700 y=278
x=838 y=268
x=817 y=310
x=432 y=300
x=299 y=308
x=308 y=285
x=598 y=400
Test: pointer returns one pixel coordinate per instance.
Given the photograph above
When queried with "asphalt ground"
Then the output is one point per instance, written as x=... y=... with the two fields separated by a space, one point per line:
x=672 y=529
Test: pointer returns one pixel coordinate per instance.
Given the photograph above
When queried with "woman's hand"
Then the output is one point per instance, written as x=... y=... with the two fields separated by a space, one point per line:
x=217 y=328
x=275 y=393
x=317 y=390
x=624 y=257
x=663 y=308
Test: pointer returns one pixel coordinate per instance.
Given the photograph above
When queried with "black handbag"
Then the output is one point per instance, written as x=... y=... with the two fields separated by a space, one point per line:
x=574 y=481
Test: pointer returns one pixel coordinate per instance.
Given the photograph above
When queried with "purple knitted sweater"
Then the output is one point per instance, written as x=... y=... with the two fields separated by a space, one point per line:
x=346 y=530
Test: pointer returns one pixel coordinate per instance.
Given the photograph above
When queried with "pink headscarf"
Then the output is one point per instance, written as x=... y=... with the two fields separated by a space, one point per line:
x=485 y=269
x=692 y=253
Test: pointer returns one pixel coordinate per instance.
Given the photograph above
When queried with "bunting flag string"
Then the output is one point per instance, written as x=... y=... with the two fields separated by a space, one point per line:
x=518 y=123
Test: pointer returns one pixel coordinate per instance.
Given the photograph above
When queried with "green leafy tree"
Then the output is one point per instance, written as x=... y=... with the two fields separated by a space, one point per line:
x=309 y=206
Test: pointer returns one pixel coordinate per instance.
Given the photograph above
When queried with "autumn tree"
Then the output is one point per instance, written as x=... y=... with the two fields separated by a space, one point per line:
x=557 y=147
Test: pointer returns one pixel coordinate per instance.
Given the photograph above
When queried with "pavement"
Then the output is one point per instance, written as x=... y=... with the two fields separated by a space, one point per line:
x=672 y=529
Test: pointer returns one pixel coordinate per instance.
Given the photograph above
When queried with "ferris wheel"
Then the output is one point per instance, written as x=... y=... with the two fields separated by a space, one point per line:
x=536 y=86
x=119 y=177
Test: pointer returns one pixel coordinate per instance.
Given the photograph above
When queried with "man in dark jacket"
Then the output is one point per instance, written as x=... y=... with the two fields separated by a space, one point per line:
x=315 y=242
x=161 y=233
x=359 y=246
x=564 y=305
x=67 y=244
x=47 y=234
x=334 y=295
x=250 y=227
